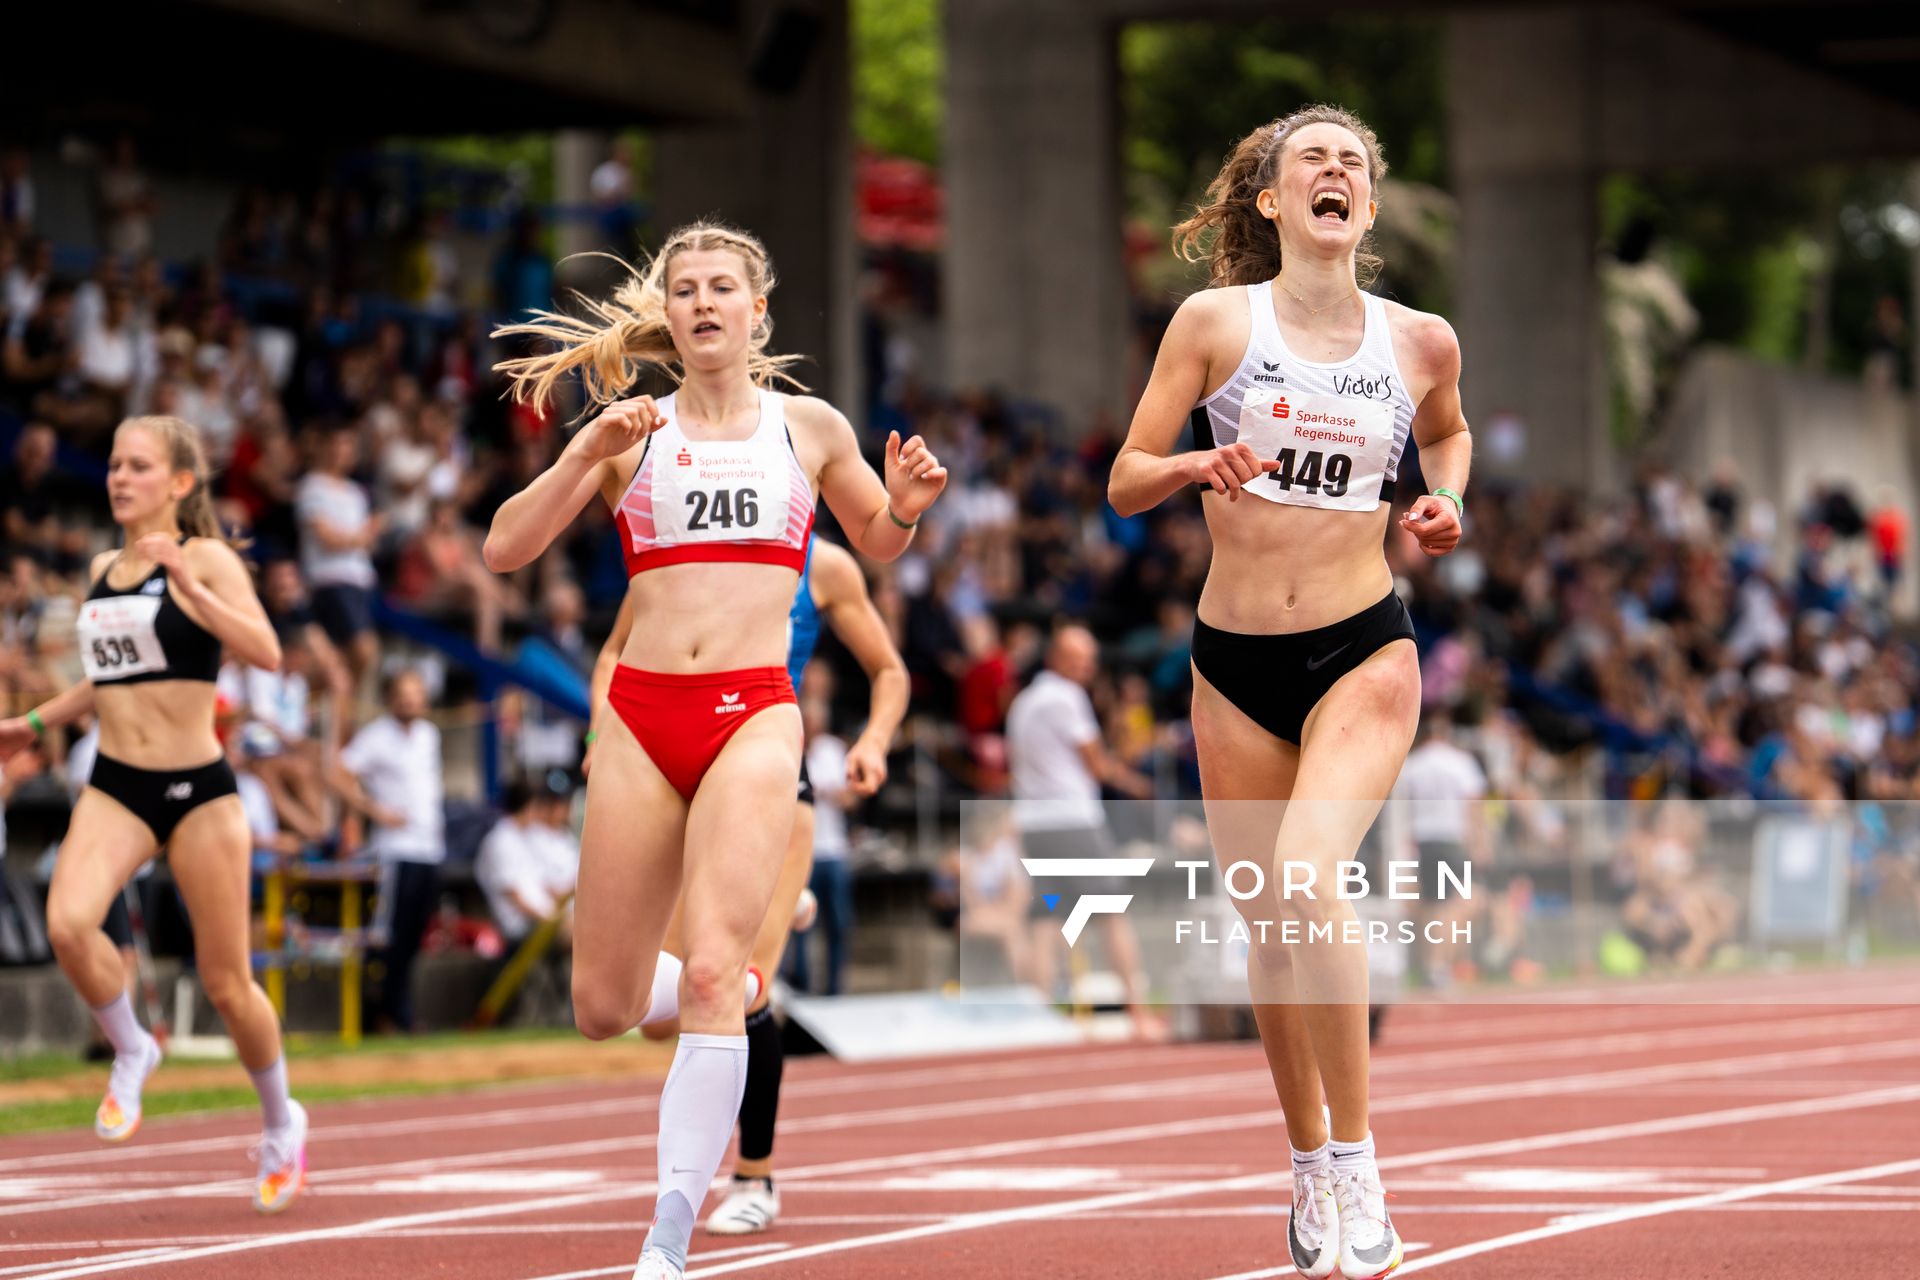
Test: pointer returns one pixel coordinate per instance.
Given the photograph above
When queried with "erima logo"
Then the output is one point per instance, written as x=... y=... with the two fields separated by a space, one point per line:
x=1084 y=909
x=1269 y=375
x=729 y=702
x=157 y=587
x=180 y=791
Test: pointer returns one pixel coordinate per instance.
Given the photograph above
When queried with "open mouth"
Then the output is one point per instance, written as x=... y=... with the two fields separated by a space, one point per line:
x=705 y=327
x=1330 y=205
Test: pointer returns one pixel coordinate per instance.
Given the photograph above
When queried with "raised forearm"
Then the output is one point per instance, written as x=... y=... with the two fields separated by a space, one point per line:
x=527 y=523
x=886 y=705
x=1446 y=462
x=1142 y=480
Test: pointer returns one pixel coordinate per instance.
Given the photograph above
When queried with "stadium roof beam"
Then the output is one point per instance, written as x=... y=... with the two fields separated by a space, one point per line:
x=347 y=69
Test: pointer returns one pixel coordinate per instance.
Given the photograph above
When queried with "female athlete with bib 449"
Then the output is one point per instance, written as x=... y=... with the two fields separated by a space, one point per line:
x=150 y=634
x=1306 y=683
x=691 y=797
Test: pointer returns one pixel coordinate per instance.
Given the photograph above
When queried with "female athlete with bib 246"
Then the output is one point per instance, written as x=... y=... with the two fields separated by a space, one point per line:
x=150 y=633
x=832 y=590
x=691 y=797
x=1306 y=683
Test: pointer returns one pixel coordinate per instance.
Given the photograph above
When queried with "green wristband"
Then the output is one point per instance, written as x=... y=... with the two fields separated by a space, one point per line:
x=591 y=735
x=1459 y=503
x=897 y=520
x=39 y=725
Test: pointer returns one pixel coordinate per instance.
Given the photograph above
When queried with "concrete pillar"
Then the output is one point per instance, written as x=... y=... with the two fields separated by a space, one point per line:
x=784 y=171
x=575 y=154
x=1521 y=114
x=1035 y=291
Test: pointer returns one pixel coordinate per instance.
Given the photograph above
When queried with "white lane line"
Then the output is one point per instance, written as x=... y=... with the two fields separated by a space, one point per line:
x=1479 y=1151
x=1773 y=1030
x=482 y=1118
x=125 y=1255
x=1550 y=1141
x=1589 y=1221
x=1389 y=1060
x=626 y=1268
x=1502 y=1091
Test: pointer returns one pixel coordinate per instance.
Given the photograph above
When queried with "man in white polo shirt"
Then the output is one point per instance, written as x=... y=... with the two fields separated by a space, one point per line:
x=1444 y=786
x=390 y=772
x=529 y=862
x=1059 y=759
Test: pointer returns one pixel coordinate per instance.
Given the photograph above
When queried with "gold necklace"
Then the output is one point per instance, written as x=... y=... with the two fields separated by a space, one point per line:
x=1311 y=310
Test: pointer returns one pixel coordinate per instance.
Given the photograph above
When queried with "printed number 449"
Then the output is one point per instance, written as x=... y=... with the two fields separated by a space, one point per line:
x=1314 y=471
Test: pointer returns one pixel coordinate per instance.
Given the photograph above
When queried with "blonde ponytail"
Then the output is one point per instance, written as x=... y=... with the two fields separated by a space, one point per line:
x=618 y=338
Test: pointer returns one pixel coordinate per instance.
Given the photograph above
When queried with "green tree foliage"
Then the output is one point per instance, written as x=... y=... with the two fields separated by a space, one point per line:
x=1758 y=252
x=899 y=77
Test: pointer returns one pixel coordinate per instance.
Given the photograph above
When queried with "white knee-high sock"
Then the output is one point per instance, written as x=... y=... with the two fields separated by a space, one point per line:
x=697 y=1110
x=663 y=1004
x=271 y=1084
x=121 y=1028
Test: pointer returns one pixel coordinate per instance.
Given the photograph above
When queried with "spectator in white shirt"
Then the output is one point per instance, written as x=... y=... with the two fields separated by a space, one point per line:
x=277 y=731
x=1444 y=787
x=528 y=863
x=263 y=818
x=1059 y=761
x=391 y=773
x=110 y=358
x=338 y=531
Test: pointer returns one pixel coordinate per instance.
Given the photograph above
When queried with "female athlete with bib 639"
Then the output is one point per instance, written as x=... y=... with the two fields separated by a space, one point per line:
x=1306 y=683
x=150 y=632
x=691 y=797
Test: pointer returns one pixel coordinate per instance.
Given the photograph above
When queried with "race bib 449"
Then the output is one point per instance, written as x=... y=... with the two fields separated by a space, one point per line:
x=1332 y=450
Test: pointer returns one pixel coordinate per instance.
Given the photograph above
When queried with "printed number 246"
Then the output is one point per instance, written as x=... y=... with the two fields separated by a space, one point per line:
x=723 y=508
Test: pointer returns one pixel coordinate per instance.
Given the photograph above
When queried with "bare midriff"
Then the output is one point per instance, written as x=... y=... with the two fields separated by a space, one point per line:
x=161 y=724
x=1279 y=569
x=710 y=616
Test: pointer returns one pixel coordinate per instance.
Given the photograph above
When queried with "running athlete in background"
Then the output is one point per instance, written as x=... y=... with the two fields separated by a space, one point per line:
x=1303 y=390
x=832 y=590
x=713 y=491
x=150 y=635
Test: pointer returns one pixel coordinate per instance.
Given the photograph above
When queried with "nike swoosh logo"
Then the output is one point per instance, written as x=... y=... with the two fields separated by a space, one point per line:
x=678 y=1169
x=1314 y=664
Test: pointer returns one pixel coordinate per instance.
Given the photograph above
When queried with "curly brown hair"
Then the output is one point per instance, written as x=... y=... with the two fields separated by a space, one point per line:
x=1228 y=232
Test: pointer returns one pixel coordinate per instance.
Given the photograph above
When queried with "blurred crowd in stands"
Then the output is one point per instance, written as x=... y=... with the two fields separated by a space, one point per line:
x=1654 y=643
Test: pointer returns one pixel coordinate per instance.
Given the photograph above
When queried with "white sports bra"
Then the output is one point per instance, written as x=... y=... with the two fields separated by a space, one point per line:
x=1337 y=429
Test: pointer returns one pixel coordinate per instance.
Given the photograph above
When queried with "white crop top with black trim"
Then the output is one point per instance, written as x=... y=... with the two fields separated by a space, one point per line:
x=1338 y=429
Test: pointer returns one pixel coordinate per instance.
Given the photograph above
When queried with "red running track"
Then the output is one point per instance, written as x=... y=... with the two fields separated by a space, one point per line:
x=1750 y=1140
